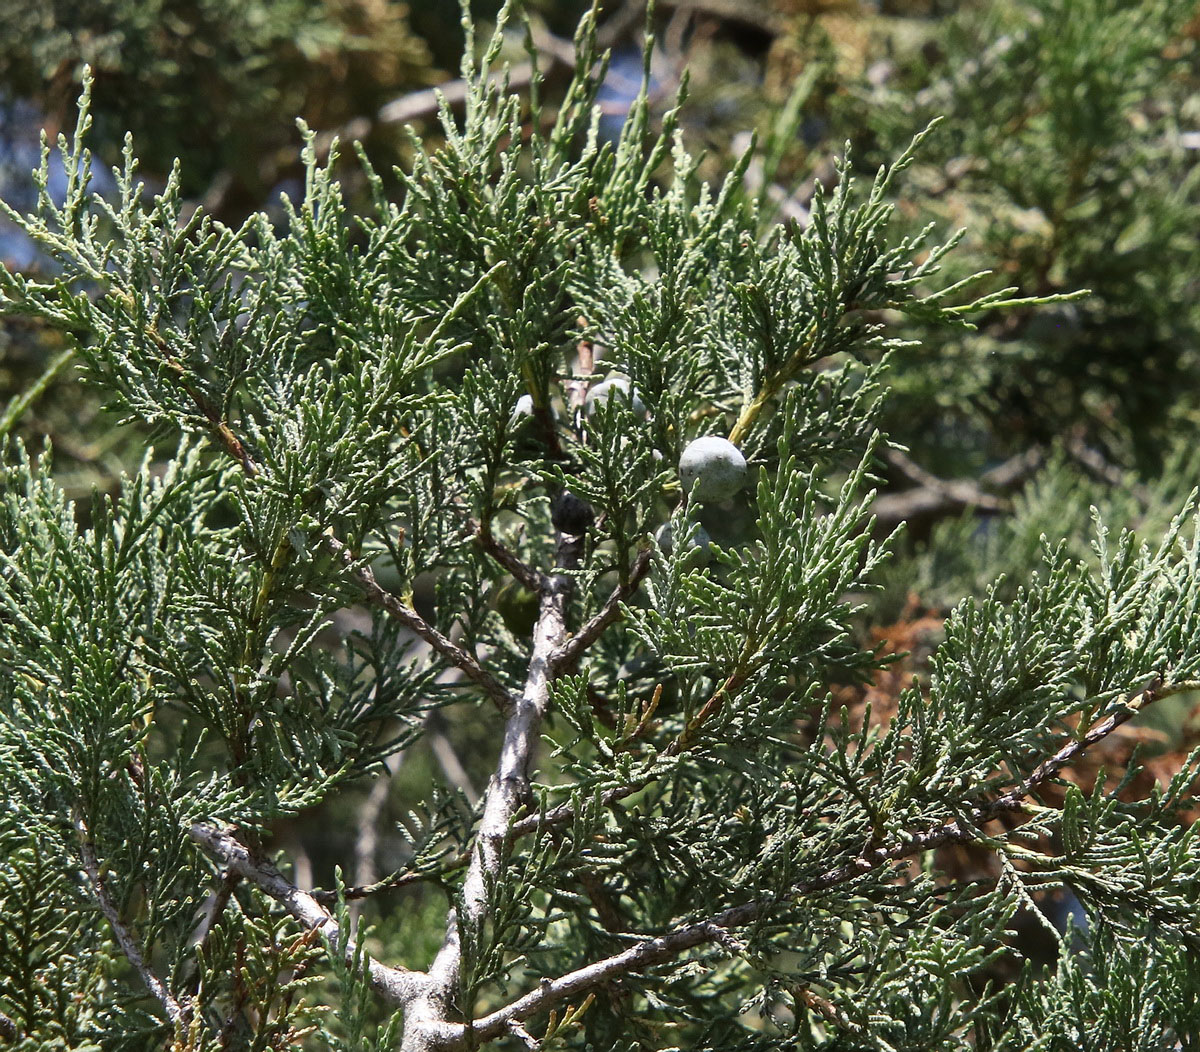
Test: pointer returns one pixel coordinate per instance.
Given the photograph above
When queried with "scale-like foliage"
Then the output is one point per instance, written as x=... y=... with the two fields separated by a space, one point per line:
x=395 y=504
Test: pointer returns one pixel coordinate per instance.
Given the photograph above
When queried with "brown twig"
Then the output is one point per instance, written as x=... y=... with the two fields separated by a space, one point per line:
x=390 y=883
x=532 y=579
x=414 y=622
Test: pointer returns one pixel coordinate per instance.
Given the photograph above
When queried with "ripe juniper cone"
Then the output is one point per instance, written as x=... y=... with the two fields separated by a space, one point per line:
x=712 y=469
x=699 y=552
x=524 y=408
x=571 y=514
x=614 y=385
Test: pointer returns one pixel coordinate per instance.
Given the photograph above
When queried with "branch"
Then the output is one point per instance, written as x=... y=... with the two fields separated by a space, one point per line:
x=956 y=491
x=1069 y=753
x=176 y=1012
x=405 y=614
x=397 y=985
x=213 y=908
x=935 y=496
x=570 y=651
x=506 y=794
x=452 y=767
x=211 y=413
x=760 y=16
x=392 y=882
x=414 y=622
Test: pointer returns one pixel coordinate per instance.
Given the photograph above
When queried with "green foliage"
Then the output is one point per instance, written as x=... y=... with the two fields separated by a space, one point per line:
x=685 y=840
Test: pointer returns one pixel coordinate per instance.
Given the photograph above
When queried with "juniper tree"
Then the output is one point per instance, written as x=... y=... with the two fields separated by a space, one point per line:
x=367 y=428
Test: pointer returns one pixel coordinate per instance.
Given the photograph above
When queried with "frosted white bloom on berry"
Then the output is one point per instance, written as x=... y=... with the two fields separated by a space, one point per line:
x=605 y=390
x=712 y=469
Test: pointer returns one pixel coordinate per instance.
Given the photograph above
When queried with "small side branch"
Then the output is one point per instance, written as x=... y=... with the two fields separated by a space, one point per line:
x=176 y=1012
x=214 y=908
x=391 y=883
x=573 y=648
x=643 y=954
x=397 y=985
x=521 y=571
x=407 y=616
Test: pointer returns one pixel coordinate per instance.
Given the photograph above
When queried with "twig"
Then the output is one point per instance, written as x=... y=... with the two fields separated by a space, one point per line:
x=957 y=491
x=1103 y=469
x=1067 y=755
x=397 y=985
x=524 y=1036
x=506 y=557
x=390 y=883
x=505 y=795
x=176 y=1012
x=367 y=841
x=214 y=907
x=567 y=654
x=756 y=15
x=427 y=101
x=414 y=622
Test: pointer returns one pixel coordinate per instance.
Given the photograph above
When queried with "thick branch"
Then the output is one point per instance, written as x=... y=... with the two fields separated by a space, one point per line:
x=176 y=1012
x=505 y=795
x=395 y=984
x=415 y=623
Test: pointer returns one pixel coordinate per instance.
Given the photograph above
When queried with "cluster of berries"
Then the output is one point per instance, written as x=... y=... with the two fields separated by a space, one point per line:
x=711 y=469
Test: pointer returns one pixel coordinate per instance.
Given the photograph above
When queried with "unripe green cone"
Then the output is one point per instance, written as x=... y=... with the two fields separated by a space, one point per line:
x=517 y=607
